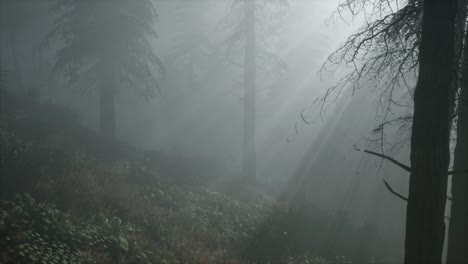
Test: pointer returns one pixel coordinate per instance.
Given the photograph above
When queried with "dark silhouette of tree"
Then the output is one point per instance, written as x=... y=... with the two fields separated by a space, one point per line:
x=250 y=77
x=2 y=91
x=12 y=28
x=250 y=34
x=426 y=45
x=23 y=26
x=430 y=154
x=2 y=73
x=458 y=229
x=107 y=47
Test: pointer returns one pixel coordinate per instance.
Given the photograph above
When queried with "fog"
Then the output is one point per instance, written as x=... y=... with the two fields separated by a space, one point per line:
x=189 y=123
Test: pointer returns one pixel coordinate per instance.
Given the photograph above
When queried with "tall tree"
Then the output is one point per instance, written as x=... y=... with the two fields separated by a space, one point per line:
x=24 y=24
x=2 y=85
x=250 y=78
x=12 y=26
x=457 y=250
x=252 y=34
x=107 y=46
x=429 y=151
x=2 y=37
x=430 y=155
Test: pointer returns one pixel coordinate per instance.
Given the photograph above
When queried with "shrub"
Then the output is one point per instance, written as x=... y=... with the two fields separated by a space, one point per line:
x=33 y=232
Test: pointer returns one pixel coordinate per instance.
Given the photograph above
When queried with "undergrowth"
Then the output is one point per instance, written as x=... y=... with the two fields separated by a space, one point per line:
x=69 y=196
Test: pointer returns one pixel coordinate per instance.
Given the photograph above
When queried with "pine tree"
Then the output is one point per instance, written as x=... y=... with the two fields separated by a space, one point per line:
x=107 y=47
x=250 y=35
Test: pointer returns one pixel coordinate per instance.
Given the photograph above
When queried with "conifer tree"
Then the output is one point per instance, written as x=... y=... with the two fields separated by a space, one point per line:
x=107 y=47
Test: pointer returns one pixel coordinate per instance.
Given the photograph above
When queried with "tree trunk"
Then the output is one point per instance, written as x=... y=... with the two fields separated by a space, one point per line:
x=2 y=44
x=430 y=154
x=107 y=106
x=1 y=91
x=457 y=251
x=250 y=75
x=14 y=42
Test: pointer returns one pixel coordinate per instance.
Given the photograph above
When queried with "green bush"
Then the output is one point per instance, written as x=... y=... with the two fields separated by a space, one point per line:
x=35 y=232
x=13 y=147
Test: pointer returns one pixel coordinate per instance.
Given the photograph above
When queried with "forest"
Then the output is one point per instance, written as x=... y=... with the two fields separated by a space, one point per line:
x=234 y=131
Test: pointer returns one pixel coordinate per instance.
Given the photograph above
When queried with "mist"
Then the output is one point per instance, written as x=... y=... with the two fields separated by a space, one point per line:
x=207 y=131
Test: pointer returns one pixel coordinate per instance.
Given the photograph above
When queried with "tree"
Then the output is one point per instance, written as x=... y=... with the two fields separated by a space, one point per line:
x=24 y=24
x=458 y=229
x=2 y=88
x=107 y=46
x=2 y=73
x=431 y=38
x=430 y=155
x=14 y=43
x=256 y=60
x=250 y=78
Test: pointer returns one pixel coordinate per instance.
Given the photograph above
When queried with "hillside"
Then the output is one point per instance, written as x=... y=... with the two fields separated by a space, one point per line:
x=70 y=196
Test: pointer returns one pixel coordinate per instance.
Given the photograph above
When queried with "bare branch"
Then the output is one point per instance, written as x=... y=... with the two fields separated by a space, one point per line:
x=399 y=164
x=304 y=118
x=457 y=172
x=389 y=188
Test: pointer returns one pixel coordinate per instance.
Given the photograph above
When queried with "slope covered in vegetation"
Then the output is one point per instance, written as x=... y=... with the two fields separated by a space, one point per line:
x=70 y=196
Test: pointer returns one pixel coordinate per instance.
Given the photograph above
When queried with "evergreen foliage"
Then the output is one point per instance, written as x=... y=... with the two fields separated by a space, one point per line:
x=108 y=35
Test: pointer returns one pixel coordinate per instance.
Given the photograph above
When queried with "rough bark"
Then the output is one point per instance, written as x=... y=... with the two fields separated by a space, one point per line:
x=457 y=250
x=430 y=154
x=250 y=73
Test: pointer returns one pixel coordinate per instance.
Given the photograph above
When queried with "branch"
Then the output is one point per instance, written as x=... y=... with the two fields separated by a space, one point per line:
x=457 y=172
x=389 y=188
x=304 y=119
x=399 y=164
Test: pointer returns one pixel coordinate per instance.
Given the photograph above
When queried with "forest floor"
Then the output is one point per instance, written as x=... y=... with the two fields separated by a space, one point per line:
x=71 y=196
